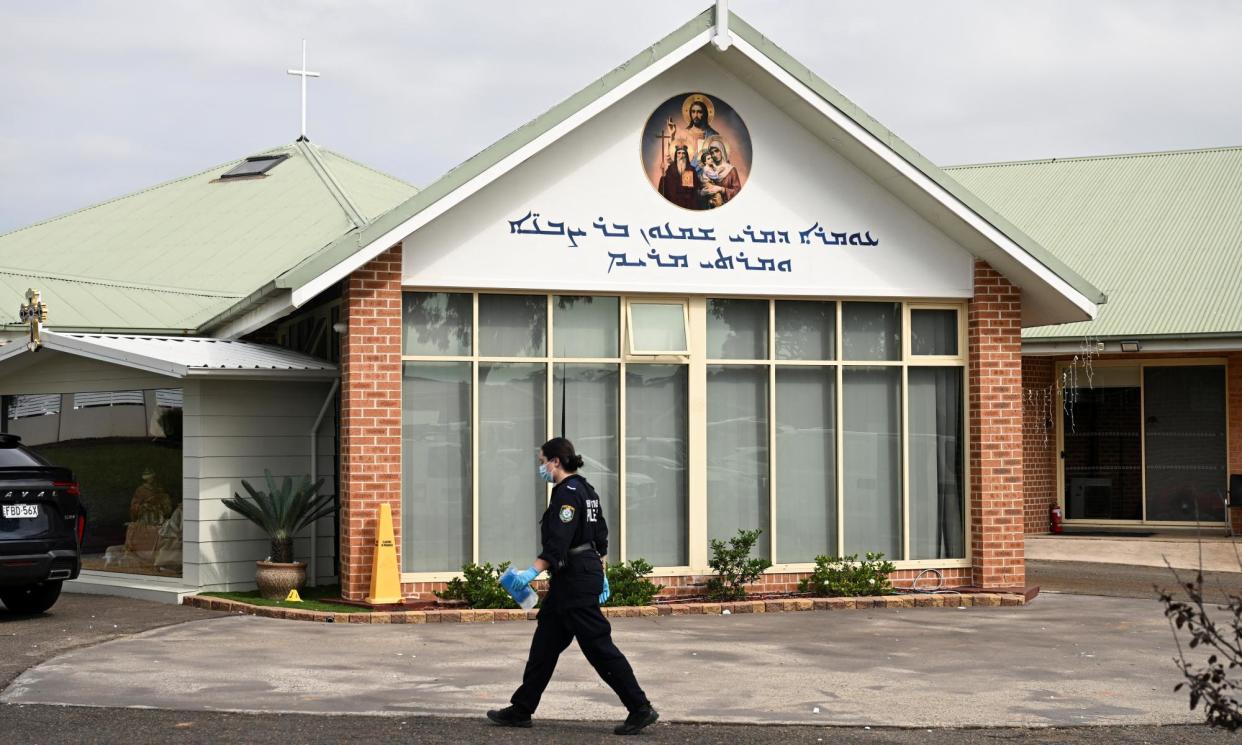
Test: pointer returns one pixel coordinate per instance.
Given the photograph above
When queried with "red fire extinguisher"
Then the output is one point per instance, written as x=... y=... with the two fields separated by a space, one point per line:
x=1055 y=513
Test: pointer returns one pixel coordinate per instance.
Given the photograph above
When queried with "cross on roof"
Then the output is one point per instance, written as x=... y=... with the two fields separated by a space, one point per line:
x=304 y=74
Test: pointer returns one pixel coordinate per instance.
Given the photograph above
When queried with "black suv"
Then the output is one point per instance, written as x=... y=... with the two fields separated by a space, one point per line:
x=42 y=523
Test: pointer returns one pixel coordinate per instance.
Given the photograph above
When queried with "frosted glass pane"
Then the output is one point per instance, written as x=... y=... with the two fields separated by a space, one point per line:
x=806 y=330
x=512 y=497
x=436 y=323
x=737 y=329
x=872 y=415
x=585 y=326
x=513 y=325
x=937 y=496
x=658 y=327
x=871 y=331
x=586 y=403
x=657 y=457
x=933 y=331
x=806 y=452
x=1186 y=442
x=435 y=466
x=737 y=453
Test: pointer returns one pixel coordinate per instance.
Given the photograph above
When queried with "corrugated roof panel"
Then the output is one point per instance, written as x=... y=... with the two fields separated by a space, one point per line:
x=82 y=304
x=1159 y=233
x=198 y=353
x=191 y=236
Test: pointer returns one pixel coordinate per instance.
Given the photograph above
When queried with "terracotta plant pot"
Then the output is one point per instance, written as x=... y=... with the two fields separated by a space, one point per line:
x=275 y=579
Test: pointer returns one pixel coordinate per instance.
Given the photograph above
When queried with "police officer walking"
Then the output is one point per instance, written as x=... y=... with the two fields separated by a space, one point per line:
x=575 y=550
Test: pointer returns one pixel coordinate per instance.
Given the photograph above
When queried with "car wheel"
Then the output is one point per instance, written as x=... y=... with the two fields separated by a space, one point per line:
x=30 y=599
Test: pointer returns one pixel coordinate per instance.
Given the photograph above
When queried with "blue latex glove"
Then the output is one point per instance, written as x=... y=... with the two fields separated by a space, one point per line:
x=607 y=593
x=525 y=577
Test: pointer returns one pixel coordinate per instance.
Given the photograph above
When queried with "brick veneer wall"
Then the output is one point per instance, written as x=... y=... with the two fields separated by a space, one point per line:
x=995 y=361
x=691 y=585
x=370 y=415
x=1039 y=442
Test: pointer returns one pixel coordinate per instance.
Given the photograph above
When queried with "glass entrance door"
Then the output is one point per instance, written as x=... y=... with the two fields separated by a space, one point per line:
x=1103 y=447
x=1184 y=414
x=1146 y=443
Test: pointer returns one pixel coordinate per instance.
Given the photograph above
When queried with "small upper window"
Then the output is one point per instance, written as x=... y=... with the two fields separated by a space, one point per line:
x=256 y=166
x=658 y=327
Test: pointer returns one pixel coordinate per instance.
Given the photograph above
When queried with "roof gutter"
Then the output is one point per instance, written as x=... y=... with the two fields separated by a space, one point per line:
x=1142 y=344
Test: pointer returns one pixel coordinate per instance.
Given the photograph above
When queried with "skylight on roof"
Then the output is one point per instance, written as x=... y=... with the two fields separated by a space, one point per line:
x=256 y=166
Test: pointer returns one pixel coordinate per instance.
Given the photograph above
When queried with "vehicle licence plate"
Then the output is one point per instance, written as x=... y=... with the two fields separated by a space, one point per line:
x=21 y=510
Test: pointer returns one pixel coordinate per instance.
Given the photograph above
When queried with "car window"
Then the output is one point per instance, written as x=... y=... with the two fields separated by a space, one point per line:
x=17 y=457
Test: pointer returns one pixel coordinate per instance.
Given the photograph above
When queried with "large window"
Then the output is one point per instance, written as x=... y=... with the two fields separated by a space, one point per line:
x=124 y=448
x=834 y=427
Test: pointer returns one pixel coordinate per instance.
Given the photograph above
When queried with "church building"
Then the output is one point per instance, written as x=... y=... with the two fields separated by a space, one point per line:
x=747 y=303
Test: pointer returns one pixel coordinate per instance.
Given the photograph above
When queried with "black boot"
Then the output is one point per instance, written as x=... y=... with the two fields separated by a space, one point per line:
x=637 y=719
x=510 y=716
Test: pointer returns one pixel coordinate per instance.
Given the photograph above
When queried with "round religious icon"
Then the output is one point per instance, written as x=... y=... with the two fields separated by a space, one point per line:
x=696 y=151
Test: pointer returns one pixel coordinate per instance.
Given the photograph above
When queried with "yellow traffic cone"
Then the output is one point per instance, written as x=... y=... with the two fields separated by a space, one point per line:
x=385 y=579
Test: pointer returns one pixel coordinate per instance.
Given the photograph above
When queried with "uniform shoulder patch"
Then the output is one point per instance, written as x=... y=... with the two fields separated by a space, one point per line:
x=567 y=513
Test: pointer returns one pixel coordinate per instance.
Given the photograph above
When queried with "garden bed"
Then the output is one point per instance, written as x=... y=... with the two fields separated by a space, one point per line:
x=234 y=603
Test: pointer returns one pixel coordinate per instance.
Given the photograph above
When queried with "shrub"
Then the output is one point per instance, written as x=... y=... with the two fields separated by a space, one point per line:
x=733 y=566
x=479 y=586
x=282 y=512
x=846 y=576
x=629 y=584
x=1218 y=681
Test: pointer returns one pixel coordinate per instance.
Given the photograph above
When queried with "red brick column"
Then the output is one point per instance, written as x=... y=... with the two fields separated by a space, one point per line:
x=1039 y=441
x=1233 y=394
x=370 y=415
x=995 y=347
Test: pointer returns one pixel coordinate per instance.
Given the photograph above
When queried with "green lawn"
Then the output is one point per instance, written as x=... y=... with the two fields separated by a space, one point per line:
x=312 y=599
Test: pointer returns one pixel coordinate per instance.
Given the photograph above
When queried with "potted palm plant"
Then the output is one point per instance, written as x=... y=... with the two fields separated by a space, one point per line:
x=281 y=513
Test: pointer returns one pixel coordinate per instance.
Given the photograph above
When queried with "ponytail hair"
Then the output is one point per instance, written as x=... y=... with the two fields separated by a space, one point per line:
x=562 y=450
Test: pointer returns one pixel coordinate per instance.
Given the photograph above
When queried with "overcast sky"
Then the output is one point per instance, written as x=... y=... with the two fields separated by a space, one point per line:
x=103 y=97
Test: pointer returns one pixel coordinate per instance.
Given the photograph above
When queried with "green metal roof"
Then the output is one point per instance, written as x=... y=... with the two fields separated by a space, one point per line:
x=1160 y=233
x=175 y=255
x=342 y=249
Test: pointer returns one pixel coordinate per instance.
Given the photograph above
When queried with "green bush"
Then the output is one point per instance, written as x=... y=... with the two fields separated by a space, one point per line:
x=733 y=566
x=479 y=586
x=846 y=576
x=629 y=584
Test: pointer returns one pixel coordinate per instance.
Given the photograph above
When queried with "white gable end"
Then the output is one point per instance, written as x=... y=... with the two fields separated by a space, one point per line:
x=584 y=215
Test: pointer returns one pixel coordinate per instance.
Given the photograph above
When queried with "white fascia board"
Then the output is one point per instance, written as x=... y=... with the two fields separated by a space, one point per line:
x=13 y=349
x=920 y=179
x=376 y=247
x=103 y=353
x=256 y=318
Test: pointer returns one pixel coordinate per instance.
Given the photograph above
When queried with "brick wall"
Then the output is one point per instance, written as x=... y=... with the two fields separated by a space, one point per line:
x=691 y=585
x=1039 y=441
x=370 y=415
x=1233 y=398
x=996 y=507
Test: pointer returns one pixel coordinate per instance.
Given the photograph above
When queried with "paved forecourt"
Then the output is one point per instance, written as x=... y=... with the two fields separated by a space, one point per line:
x=1063 y=660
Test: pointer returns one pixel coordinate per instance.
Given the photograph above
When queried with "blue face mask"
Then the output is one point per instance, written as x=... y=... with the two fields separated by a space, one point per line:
x=545 y=474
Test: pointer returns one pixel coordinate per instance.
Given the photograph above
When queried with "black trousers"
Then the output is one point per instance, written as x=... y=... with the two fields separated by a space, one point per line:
x=554 y=630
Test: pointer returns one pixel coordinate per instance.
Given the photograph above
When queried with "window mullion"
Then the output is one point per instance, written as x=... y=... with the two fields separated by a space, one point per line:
x=474 y=428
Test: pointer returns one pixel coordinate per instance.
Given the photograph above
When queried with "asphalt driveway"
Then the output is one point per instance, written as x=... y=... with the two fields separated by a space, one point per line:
x=1064 y=660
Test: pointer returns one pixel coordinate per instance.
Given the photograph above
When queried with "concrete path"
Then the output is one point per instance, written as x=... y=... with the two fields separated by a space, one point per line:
x=1064 y=660
x=1213 y=553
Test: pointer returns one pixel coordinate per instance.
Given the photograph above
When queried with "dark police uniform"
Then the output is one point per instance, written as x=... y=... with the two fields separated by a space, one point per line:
x=575 y=536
